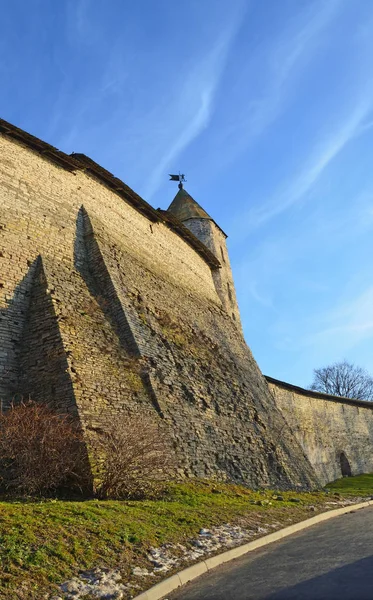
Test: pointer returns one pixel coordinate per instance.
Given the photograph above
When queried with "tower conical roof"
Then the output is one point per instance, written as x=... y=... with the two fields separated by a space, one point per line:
x=184 y=207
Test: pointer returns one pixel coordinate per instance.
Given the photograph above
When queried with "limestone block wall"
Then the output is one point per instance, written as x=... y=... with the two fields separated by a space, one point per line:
x=214 y=238
x=335 y=433
x=104 y=310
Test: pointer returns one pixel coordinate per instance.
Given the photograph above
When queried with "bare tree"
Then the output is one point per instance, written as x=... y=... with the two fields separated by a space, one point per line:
x=343 y=379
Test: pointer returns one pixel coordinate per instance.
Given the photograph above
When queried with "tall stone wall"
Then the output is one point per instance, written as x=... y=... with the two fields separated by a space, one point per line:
x=103 y=311
x=214 y=238
x=335 y=433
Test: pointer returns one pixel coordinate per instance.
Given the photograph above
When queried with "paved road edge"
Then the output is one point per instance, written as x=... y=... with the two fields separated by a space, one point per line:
x=158 y=591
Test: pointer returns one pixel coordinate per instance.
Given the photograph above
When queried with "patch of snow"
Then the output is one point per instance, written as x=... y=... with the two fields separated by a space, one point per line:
x=102 y=584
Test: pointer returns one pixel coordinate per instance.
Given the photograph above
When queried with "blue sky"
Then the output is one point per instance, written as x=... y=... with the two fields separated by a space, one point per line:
x=266 y=106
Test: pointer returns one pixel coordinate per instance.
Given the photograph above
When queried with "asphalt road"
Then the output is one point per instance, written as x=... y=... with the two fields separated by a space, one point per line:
x=330 y=561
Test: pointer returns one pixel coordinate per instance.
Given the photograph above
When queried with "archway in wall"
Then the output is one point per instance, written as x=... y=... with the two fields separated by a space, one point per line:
x=345 y=465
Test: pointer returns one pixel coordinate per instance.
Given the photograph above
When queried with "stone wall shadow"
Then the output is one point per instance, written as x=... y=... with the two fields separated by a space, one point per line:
x=12 y=322
x=37 y=368
x=90 y=263
x=43 y=366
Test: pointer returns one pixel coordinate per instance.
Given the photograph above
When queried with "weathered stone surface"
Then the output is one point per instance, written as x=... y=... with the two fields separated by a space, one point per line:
x=331 y=430
x=214 y=238
x=104 y=310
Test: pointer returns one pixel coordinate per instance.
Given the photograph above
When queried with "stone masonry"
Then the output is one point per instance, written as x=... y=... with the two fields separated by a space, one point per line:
x=109 y=306
x=335 y=433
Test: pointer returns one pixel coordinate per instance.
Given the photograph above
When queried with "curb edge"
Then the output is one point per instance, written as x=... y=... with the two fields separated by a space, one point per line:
x=158 y=591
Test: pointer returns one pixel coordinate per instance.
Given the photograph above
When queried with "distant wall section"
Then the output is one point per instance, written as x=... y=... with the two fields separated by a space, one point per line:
x=336 y=434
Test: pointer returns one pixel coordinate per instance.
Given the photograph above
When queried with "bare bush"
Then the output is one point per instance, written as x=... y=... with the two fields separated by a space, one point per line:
x=132 y=459
x=40 y=451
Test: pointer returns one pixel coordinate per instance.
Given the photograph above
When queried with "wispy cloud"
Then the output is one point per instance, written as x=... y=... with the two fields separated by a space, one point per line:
x=80 y=26
x=322 y=156
x=347 y=325
x=281 y=61
x=184 y=137
x=291 y=255
x=189 y=114
x=287 y=56
x=156 y=109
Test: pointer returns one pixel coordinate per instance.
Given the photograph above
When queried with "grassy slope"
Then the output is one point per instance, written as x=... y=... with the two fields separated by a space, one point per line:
x=361 y=485
x=44 y=543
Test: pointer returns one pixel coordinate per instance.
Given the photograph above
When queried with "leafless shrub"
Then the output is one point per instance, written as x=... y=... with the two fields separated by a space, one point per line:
x=132 y=459
x=40 y=451
x=343 y=379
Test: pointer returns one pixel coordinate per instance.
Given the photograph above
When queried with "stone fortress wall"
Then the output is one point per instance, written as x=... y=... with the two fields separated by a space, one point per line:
x=109 y=306
x=335 y=433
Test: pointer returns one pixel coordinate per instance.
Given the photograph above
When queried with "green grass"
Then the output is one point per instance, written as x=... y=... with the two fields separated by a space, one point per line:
x=45 y=543
x=361 y=485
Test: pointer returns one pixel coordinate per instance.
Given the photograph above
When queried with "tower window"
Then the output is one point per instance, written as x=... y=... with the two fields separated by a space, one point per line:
x=222 y=253
x=233 y=317
x=229 y=292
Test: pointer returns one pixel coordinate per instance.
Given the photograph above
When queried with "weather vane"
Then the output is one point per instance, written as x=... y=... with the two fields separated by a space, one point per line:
x=180 y=178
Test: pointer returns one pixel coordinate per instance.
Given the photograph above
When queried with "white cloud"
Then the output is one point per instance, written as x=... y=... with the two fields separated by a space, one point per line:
x=189 y=114
x=198 y=122
x=289 y=55
x=347 y=325
x=80 y=26
x=278 y=63
x=321 y=157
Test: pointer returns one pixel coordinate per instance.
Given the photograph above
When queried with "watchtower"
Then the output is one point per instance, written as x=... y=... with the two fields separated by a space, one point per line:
x=196 y=219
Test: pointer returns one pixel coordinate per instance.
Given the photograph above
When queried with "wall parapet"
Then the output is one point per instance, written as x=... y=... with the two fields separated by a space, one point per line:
x=319 y=395
x=46 y=150
x=81 y=162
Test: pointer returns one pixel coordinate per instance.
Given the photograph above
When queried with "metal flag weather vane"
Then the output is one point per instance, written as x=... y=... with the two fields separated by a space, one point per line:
x=180 y=178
